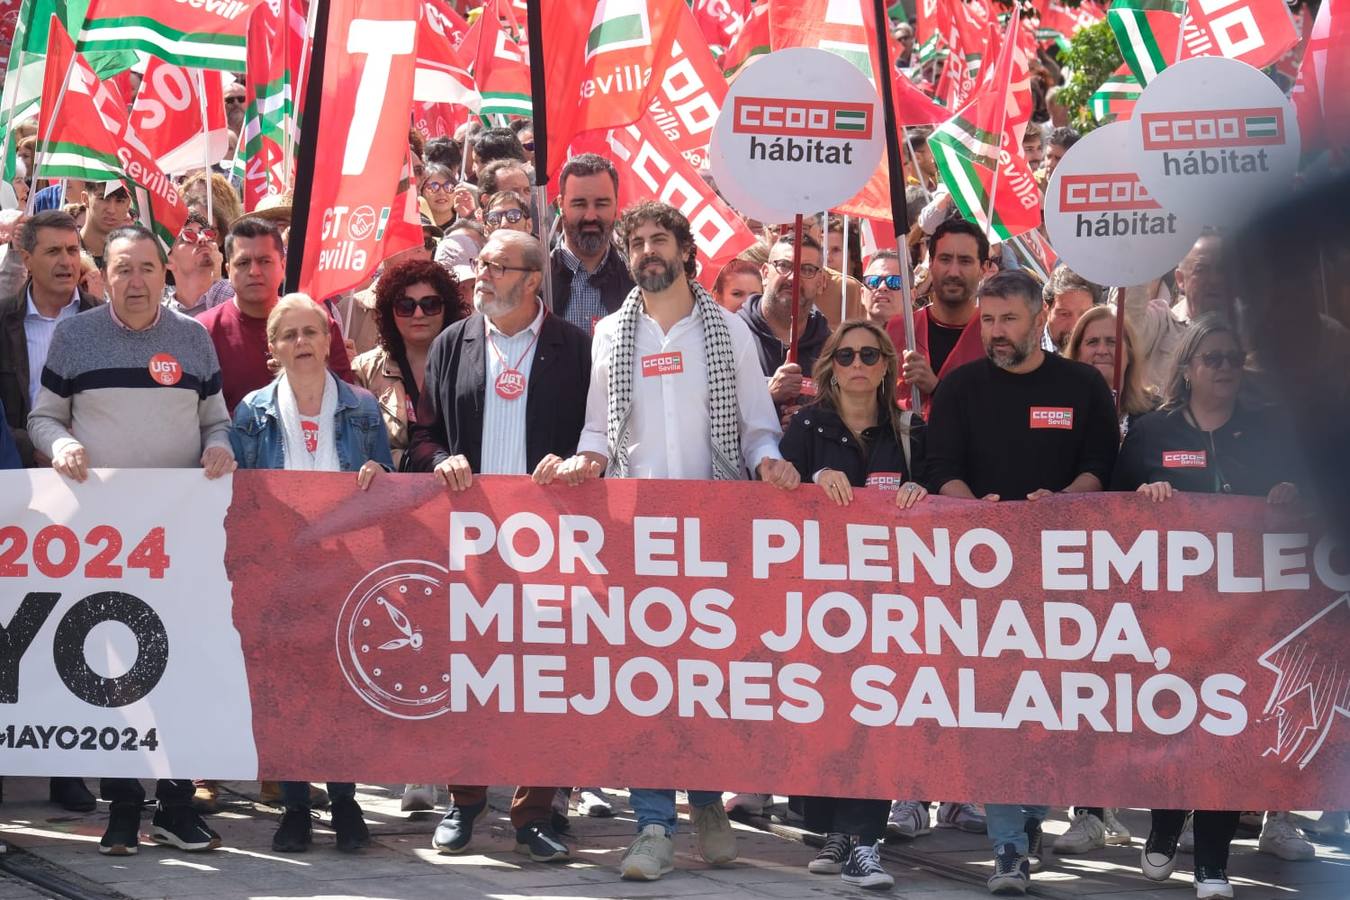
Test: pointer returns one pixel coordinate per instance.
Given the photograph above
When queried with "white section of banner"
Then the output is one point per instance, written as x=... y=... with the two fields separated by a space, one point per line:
x=91 y=695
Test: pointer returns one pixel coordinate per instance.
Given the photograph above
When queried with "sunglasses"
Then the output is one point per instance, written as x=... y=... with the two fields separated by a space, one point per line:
x=194 y=235
x=497 y=216
x=408 y=306
x=1215 y=359
x=844 y=356
x=528 y=145
x=436 y=187
x=892 y=282
x=784 y=267
x=232 y=100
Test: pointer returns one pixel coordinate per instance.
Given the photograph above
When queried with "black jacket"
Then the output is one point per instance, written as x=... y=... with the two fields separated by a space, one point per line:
x=1249 y=454
x=14 y=366
x=816 y=438
x=612 y=279
x=772 y=351
x=450 y=411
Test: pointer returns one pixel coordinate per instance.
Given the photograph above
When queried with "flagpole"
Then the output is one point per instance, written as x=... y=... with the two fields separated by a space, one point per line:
x=206 y=145
x=534 y=25
x=914 y=161
x=796 y=289
x=9 y=107
x=843 y=282
x=301 y=80
x=1181 y=33
x=309 y=151
x=1002 y=123
x=41 y=150
x=896 y=167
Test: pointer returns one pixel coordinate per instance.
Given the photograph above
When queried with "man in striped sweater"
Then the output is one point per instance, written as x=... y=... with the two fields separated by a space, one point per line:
x=134 y=384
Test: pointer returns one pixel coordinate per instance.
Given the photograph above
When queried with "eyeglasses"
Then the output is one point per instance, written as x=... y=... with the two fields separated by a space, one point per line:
x=230 y=100
x=512 y=216
x=482 y=267
x=436 y=187
x=191 y=234
x=1215 y=359
x=892 y=282
x=528 y=145
x=784 y=267
x=844 y=356
x=408 y=306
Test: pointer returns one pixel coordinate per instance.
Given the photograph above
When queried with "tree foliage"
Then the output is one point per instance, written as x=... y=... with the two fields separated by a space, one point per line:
x=1091 y=57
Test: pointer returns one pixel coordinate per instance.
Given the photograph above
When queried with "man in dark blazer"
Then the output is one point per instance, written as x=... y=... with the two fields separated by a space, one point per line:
x=505 y=394
x=49 y=245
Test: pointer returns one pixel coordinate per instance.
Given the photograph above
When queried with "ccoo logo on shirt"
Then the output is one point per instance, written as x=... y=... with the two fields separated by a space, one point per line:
x=1052 y=417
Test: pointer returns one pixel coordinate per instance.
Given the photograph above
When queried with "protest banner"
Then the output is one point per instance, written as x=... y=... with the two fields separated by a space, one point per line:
x=666 y=632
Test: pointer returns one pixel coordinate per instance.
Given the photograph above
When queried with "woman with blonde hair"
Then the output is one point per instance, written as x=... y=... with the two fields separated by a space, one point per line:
x=1093 y=341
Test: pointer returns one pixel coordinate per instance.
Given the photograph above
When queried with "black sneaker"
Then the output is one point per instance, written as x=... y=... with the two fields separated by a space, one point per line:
x=540 y=843
x=1159 y=856
x=71 y=795
x=295 y=833
x=1211 y=882
x=1035 y=846
x=1012 y=872
x=863 y=869
x=456 y=829
x=830 y=859
x=350 y=825
x=182 y=827
x=122 y=836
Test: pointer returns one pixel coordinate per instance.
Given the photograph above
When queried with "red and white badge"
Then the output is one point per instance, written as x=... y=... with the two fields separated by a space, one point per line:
x=510 y=384
x=887 y=481
x=809 y=388
x=164 y=368
x=662 y=364
x=310 y=429
x=1052 y=417
x=1185 y=459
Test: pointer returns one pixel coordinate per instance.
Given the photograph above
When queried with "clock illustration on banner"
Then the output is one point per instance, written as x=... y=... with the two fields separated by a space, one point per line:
x=386 y=652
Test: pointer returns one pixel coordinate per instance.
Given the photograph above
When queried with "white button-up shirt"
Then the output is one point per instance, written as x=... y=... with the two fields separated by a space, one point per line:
x=38 y=330
x=504 y=420
x=669 y=430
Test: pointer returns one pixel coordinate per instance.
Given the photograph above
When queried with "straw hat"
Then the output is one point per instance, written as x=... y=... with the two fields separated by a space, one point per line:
x=272 y=208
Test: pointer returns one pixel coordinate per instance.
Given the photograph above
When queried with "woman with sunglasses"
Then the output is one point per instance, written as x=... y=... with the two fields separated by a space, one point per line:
x=1203 y=440
x=414 y=302
x=508 y=210
x=445 y=198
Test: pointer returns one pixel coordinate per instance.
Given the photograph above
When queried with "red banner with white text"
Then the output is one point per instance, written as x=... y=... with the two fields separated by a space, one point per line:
x=662 y=632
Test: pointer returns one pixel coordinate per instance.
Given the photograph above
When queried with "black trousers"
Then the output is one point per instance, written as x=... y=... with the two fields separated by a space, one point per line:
x=1214 y=831
x=863 y=819
x=168 y=792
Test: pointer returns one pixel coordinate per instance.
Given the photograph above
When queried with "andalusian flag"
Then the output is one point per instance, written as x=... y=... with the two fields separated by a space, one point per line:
x=271 y=122
x=1146 y=31
x=202 y=36
x=500 y=66
x=618 y=25
x=1114 y=100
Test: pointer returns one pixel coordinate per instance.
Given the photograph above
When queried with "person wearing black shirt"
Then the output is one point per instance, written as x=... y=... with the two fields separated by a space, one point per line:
x=769 y=316
x=1203 y=441
x=1019 y=424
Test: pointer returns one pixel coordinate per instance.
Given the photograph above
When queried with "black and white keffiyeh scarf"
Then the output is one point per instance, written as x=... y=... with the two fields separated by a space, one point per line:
x=724 y=410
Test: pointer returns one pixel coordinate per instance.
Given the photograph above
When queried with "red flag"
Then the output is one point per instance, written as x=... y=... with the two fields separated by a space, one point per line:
x=604 y=62
x=753 y=40
x=178 y=118
x=691 y=93
x=443 y=18
x=650 y=167
x=271 y=90
x=367 y=92
x=500 y=67
x=720 y=21
x=1322 y=93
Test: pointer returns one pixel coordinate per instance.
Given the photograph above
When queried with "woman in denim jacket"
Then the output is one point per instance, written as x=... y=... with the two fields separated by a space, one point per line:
x=309 y=421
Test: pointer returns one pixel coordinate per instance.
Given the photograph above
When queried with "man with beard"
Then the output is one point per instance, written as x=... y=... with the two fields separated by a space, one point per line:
x=676 y=392
x=947 y=331
x=590 y=280
x=769 y=316
x=1067 y=296
x=505 y=394
x=1021 y=424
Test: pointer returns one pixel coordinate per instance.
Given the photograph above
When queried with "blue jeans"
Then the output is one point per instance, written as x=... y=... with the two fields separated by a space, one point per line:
x=1006 y=823
x=295 y=794
x=657 y=807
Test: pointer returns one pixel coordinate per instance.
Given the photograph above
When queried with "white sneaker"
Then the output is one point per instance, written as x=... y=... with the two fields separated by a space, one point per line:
x=594 y=802
x=1117 y=835
x=1212 y=884
x=1086 y=833
x=1280 y=838
x=962 y=816
x=1331 y=823
x=418 y=797
x=908 y=819
x=1186 y=843
x=1158 y=858
x=748 y=804
x=650 y=856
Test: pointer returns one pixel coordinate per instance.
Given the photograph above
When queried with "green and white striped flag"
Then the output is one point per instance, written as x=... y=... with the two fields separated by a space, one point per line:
x=180 y=33
x=1146 y=31
x=1115 y=99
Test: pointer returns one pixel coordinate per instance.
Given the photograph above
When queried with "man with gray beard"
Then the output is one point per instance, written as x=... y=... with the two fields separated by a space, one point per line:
x=1020 y=424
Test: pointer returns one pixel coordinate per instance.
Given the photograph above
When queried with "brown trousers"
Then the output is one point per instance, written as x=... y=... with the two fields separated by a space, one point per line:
x=528 y=806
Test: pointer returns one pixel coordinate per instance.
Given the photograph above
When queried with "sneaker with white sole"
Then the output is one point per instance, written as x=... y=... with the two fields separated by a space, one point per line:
x=1211 y=882
x=1086 y=833
x=121 y=838
x=830 y=860
x=1117 y=835
x=716 y=842
x=1280 y=838
x=1159 y=856
x=744 y=805
x=1012 y=872
x=594 y=802
x=1332 y=823
x=418 y=798
x=908 y=819
x=540 y=843
x=863 y=869
x=650 y=856
x=182 y=827
x=962 y=816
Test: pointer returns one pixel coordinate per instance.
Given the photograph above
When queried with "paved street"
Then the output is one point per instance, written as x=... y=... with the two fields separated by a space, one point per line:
x=54 y=854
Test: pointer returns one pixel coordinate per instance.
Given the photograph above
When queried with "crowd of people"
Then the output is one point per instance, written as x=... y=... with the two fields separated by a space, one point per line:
x=114 y=353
